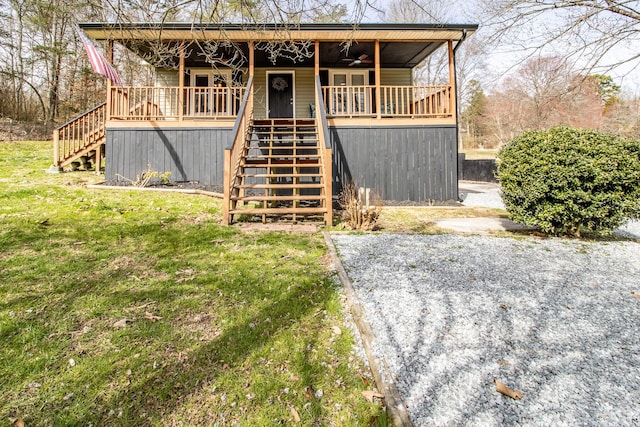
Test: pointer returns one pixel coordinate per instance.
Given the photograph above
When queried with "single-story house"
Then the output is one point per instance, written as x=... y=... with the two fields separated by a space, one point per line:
x=279 y=119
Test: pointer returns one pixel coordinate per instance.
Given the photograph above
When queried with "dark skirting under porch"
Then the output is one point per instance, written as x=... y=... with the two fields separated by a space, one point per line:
x=400 y=163
x=190 y=154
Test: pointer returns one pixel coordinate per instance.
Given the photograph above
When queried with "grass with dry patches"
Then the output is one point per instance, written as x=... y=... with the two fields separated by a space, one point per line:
x=479 y=154
x=421 y=219
x=138 y=308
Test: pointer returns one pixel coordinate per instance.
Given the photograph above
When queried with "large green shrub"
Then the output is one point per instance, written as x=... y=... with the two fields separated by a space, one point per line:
x=566 y=180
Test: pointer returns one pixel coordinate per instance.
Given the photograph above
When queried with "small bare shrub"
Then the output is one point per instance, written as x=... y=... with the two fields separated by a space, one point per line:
x=360 y=209
x=144 y=178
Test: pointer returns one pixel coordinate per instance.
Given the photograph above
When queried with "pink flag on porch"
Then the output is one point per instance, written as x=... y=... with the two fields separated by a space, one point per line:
x=98 y=62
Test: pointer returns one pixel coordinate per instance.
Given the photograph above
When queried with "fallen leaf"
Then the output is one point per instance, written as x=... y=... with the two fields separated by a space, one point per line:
x=337 y=330
x=296 y=416
x=308 y=392
x=122 y=323
x=501 y=388
x=370 y=394
x=635 y=294
x=151 y=317
x=18 y=422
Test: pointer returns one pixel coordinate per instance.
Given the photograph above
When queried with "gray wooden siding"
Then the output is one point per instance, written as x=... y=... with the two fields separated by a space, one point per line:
x=399 y=163
x=194 y=154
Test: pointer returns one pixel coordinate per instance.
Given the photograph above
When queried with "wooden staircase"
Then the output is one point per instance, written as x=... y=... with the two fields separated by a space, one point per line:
x=282 y=172
x=79 y=142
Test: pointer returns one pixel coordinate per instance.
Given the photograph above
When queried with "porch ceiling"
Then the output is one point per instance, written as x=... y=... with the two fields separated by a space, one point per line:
x=332 y=55
x=401 y=45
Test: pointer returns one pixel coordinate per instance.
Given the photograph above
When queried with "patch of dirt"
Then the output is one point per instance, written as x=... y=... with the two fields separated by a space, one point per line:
x=178 y=185
x=203 y=325
x=13 y=131
x=392 y=203
x=270 y=226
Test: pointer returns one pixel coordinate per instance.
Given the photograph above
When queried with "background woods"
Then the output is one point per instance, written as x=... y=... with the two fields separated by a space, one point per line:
x=532 y=65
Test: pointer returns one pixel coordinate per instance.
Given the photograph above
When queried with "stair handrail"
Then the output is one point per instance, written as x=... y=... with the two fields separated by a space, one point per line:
x=233 y=150
x=78 y=133
x=325 y=152
x=81 y=115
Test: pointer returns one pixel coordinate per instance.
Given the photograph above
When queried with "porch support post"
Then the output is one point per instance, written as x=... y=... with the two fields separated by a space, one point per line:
x=317 y=74
x=181 y=85
x=109 y=94
x=317 y=58
x=452 y=81
x=378 y=91
x=251 y=58
x=251 y=72
x=97 y=164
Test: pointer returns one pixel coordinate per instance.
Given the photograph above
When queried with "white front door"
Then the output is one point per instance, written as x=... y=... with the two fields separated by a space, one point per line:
x=352 y=94
x=210 y=96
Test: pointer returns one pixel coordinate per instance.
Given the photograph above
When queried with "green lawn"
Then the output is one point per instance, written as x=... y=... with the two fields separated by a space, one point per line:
x=479 y=154
x=138 y=308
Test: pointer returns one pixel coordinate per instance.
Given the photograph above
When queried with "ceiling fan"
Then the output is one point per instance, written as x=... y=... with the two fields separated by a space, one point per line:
x=362 y=59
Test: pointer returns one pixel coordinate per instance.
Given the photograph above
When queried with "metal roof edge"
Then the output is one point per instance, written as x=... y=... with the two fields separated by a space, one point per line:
x=272 y=27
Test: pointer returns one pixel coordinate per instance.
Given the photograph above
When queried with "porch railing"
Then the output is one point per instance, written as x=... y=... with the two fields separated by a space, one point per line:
x=236 y=147
x=391 y=101
x=326 y=156
x=171 y=103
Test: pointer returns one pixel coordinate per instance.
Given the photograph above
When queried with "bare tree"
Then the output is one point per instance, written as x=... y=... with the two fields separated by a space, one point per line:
x=594 y=33
x=435 y=68
x=544 y=92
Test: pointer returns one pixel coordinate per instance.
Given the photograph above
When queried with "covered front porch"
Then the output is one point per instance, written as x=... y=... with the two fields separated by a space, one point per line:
x=365 y=71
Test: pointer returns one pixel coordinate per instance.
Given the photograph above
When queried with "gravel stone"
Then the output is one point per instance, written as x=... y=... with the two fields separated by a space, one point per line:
x=553 y=318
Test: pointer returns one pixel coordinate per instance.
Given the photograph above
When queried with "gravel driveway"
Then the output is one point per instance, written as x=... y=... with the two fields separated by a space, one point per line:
x=556 y=319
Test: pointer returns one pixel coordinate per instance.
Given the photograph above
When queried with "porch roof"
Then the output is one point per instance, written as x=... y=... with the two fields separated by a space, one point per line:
x=401 y=45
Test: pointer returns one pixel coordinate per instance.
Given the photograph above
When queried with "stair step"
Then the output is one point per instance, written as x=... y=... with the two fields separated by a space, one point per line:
x=72 y=157
x=257 y=143
x=279 y=211
x=256 y=163
x=281 y=175
x=276 y=198
x=276 y=186
x=282 y=135
x=283 y=129
x=281 y=148
x=289 y=157
x=280 y=122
